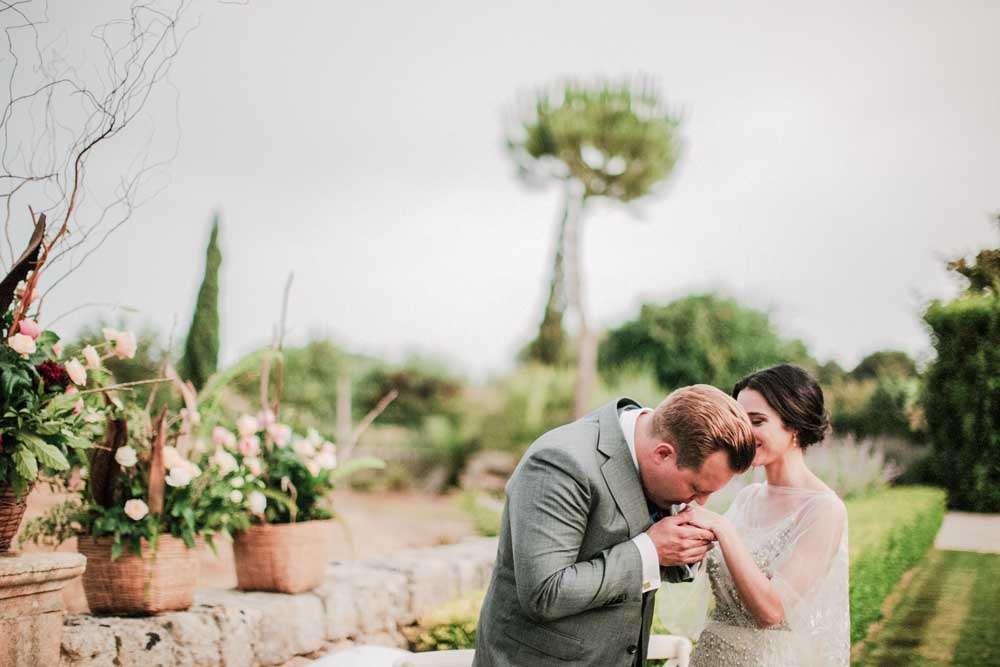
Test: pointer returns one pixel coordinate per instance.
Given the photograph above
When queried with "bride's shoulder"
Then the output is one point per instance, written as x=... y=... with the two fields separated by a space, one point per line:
x=828 y=505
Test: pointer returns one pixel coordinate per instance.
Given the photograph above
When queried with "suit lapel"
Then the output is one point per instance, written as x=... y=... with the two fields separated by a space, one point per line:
x=619 y=471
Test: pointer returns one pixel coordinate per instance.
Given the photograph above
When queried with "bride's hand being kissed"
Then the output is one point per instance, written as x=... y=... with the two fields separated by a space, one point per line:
x=699 y=516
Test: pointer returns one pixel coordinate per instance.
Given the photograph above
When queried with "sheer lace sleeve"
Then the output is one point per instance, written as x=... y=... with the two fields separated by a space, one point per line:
x=815 y=540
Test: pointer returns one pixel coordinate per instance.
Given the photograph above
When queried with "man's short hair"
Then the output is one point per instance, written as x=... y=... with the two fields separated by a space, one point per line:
x=700 y=420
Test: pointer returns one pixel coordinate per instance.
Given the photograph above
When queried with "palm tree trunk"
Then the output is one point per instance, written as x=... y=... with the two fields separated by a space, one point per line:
x=549 y=345
x=586 y=354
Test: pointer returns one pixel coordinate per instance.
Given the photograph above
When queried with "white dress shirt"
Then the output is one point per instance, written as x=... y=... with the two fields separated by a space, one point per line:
x=647 y=551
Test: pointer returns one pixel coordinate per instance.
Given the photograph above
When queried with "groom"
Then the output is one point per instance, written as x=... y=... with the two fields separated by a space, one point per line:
x=583 y=547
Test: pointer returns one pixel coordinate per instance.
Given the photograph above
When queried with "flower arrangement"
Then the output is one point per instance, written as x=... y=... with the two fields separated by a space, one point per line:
x=281 y=477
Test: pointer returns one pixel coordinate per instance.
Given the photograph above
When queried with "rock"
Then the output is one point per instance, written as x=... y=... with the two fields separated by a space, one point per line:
x=196 y=637
x=239 y=630
x=87 y=642
x=340 y=613
x=381 y=596
x=289 y=625
x=142 y=643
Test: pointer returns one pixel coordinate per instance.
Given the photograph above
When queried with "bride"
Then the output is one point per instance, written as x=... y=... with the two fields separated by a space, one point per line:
x=779 y=570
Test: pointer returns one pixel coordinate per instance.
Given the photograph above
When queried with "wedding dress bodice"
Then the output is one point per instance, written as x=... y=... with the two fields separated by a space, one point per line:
x=798 y=538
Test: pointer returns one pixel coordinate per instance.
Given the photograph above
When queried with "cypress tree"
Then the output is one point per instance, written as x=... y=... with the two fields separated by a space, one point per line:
x=201 y=348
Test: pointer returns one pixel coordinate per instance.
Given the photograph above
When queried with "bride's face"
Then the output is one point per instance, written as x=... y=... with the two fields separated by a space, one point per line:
x=774 y=440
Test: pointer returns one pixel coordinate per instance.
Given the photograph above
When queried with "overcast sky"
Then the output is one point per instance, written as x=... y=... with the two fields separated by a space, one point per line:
x=834 y=157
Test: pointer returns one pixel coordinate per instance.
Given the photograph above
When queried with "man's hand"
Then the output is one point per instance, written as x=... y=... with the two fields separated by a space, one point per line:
x=678 y=542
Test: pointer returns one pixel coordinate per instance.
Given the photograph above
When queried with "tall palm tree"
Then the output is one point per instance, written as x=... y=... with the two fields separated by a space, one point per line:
x=602 y=139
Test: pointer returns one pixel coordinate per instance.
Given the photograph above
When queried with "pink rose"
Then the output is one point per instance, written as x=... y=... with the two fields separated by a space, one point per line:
x=265 y=418
x=249 y=445
x=280 y=434
x=123 y=342
x=77 y=373
x=57 y=349
x=71 y=390
x=253 y=465
x=22 y=344
x=30 y=327
x=223 y=437
x=78 y=406
x=91 y=356
x=247 y=425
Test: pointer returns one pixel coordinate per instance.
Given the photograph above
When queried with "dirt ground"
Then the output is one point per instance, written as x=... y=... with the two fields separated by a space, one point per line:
x=372 y=524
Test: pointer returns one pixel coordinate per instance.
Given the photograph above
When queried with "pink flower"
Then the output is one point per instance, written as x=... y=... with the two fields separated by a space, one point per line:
x=91 y=356
x=123 y=342
x=253 y=465
x=249 y=445
x=22 y=344
x=223 y=437
x=57 y=349
x=247 y=425
x=78 y=406
x=71 y=390
x=280 y=434
x=77 y=373
x=30 y=327
x=265 y=418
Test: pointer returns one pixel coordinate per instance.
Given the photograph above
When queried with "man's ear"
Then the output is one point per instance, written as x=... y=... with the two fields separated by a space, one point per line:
x=664 y=450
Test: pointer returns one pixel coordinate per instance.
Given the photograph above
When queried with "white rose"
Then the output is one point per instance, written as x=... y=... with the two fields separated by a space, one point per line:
x=235 y=497
x=179 y=477
x=326 y=460
x=91 y=356
x=136 y=509
x=247 y=425
x=126 y=457
x=224 y=461
x=304 y=448
x=77 y=373
x=237 y=482
x=172 y=458
x=258 y=502
x=22 y=344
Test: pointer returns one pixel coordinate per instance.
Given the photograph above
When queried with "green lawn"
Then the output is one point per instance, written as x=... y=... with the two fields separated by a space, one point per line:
x=947 y=615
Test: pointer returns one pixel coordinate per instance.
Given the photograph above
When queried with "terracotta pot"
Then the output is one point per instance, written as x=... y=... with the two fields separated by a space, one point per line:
x=11 y=513
x=158 y=581
x=282 y=558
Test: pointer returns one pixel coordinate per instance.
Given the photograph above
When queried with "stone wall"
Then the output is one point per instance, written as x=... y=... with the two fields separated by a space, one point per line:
x=360 y=602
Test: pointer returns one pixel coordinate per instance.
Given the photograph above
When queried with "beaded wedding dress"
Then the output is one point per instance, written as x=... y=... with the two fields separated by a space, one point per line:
x=798 y=537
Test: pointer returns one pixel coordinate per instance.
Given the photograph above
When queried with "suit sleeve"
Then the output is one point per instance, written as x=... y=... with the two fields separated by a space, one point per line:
x=548 y=502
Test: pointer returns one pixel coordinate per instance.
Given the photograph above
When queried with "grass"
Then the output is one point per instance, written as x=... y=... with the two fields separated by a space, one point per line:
x=946 y=615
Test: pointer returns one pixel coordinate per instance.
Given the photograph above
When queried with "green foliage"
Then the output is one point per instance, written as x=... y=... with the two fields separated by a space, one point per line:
x=615 y=138
x=885 y=363
x=42 y=428
x=984 y=273
x=201 y=348
x=963 y=400
x=886 y=406
x=449 y=627
x=425 y=388
x=703 y=338
x=889 y=532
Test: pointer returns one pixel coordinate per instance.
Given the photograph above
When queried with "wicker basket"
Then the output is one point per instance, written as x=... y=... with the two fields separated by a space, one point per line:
x=163 y=580
x=282 y=558
x=11 y=512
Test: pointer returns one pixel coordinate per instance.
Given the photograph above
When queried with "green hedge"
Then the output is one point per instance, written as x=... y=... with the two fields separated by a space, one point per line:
x=890 y=531
x=963 y=400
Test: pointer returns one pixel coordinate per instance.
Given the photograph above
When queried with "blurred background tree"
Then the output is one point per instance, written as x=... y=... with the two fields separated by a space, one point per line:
x=614 y=140
x=201 y=347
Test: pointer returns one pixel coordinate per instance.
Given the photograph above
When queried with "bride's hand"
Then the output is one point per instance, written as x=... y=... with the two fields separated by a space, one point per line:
x=699 y=516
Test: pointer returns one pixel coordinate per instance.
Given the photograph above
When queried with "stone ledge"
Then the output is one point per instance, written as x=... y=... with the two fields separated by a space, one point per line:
x=365 y=601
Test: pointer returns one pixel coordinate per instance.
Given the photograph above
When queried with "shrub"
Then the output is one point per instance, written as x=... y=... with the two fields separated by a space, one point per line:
x=963 y=400
x=889 y=532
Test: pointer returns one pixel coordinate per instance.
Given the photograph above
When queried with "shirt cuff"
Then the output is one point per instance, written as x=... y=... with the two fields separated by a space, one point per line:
x=650 y=562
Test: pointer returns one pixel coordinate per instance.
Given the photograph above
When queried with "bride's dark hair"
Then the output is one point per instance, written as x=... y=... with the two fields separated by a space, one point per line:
x=796 y=397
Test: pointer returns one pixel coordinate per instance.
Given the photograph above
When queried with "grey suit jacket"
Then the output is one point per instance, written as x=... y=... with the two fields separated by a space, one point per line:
x=567 y=587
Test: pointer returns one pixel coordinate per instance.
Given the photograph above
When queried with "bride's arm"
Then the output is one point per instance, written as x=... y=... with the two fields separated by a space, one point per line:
x=755 y=588
x=814 y=540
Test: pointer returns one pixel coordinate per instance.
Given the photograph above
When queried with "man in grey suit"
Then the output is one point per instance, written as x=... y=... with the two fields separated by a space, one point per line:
x=583 y=547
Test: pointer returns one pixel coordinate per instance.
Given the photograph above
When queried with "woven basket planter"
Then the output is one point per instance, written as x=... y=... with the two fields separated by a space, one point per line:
x=160 y=581
x=11 y=512
x=282 y=558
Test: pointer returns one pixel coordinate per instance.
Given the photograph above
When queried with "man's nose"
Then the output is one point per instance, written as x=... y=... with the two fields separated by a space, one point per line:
x=702 y=498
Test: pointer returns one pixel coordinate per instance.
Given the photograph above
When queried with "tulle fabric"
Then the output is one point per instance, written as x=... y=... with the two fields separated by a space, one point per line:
x=798 y=537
